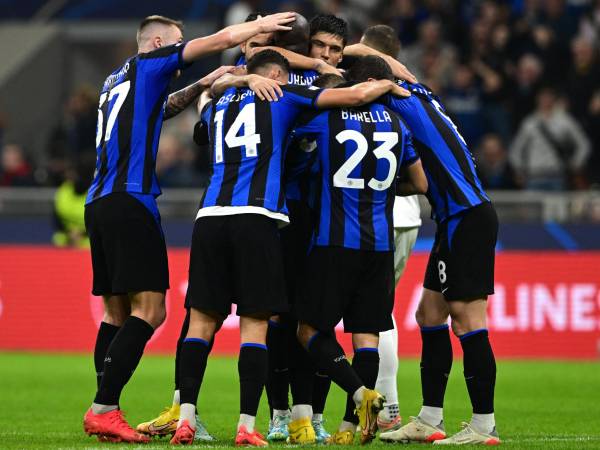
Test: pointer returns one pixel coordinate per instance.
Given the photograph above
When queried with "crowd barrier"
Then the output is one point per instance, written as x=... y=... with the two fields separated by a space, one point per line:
x=547 y=304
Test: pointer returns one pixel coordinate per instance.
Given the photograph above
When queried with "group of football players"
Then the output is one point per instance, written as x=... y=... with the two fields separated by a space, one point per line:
x=317 y=150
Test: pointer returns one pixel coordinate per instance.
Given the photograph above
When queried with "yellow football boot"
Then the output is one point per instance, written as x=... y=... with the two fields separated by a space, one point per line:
x=164 y=424
x=372 y=403
x=341 y=438
x=301 y=432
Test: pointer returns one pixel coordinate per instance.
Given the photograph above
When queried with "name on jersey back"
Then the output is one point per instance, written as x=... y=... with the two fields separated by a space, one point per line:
x=366 y=116
x=235 y=97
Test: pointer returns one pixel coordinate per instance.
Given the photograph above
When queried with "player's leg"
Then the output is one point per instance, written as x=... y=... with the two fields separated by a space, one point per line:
x=135 y=261
x=321 y=386
x=252 y=370
x=278 y=379
x=116 y=311
x=302 y=370
x=208 y=299
x=469 y=282
x=436 y=362
x=260 y=293
x=329 y=355
x=389 y=418
x=366 y=365
x=194 y=356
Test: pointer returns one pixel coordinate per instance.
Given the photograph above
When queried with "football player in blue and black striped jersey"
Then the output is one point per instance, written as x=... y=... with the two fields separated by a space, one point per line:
x=129 y=257
x=350 y=272
x=236 y=253
x=460 y=272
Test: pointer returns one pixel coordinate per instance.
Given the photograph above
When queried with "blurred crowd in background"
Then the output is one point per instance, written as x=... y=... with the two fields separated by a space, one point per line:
x=520 y=78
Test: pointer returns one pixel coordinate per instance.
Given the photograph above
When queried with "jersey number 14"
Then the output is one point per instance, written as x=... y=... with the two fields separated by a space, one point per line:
x=250 y=139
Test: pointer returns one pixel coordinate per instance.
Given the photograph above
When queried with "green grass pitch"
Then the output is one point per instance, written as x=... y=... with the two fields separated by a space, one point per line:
x=547 y=405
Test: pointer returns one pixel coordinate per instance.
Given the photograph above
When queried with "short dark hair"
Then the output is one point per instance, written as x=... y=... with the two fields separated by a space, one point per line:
x=157 y=19
x=329 y=80
x=254 y=15
x=266 y=57
x=328 y=23
x=370 y=66
x=382 y=38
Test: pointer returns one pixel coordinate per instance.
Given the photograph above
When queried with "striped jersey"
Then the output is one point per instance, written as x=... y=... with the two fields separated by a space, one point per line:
x=359 y=153
x=297 y=185
x=130 y=116
x=447 y=161
x=248 y=139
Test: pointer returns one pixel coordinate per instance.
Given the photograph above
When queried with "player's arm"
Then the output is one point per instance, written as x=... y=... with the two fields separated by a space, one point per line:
x=412 y=180
x=359 y=94
x=264 y=88
x=178 y=101
x=301 y=62
x=235 y=34
x=398 y=69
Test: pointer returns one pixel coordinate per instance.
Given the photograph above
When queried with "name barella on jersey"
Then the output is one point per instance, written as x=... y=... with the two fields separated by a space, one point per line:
x=447 y=161
x=130 y=116
x=359 y=152
x=248 y=139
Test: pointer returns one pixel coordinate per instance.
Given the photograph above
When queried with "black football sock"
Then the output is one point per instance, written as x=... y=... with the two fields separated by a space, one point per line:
x=122 y=358
x=302 y=371
x=321 y=385
x=278 y=379
x=436 y=362
x=366 y=365
x=252 y=368
x=106 y=333
x=479 y=370
x=192 y=365
x=184 y=330
x=329 y=356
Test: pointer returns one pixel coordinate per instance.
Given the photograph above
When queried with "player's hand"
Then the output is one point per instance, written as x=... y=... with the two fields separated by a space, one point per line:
x=209 y=79
x=400 y=71
x=239 y=71
x=265 y=88
x=324 y=68
x=276 y=22
x=399 y=91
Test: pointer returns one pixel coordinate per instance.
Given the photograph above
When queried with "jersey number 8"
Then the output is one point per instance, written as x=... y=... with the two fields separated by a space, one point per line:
x=388 y=140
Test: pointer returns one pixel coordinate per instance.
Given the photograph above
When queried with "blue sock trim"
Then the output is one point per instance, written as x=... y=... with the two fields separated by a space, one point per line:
x=274 y=324
x=436 y=328
x=471 y=333
x=201 y=341
x=310 y=341
x=367 y=349
x=253 y=345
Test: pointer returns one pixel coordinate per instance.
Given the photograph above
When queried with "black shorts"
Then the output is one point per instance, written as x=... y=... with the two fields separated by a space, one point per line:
x=295 y=244
x=461 y=263
x=128 y=246
x=355 y=285
x=236 y=259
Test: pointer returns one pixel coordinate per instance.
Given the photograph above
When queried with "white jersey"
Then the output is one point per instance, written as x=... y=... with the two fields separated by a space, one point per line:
x=407 y=213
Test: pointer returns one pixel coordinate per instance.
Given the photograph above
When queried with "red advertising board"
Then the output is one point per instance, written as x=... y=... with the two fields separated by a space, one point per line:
x=547 y=304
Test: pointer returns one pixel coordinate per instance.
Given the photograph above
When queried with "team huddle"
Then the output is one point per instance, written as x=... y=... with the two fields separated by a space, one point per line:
x=318 y=150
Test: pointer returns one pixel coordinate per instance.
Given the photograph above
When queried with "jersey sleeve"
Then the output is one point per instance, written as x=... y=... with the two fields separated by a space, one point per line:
x=301 y=96
x=163 y=61
x=201 y=128
x=409 y=154
x=309 y=124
